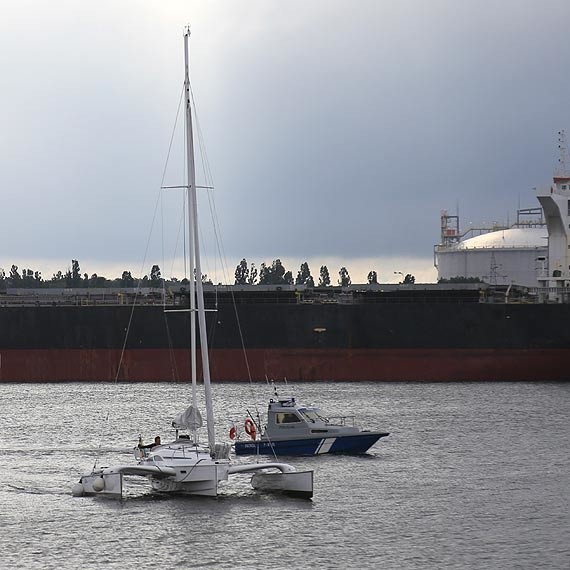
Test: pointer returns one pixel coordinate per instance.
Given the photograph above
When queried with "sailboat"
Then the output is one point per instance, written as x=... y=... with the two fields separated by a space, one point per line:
x=185 y=465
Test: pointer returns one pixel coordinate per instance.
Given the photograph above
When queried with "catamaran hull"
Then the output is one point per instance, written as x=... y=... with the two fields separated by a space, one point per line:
x=360 y=443
x=200 y=480
x=100 y=484
x=295 y=484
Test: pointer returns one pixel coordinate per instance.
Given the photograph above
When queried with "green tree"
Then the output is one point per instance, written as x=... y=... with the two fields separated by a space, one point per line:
x=274 y=275
x=97 y=281
x=15 y=277
x=31 y=279
x=372 y=277
x=324 y=277
x=242 y=273
x=252 y=275
x=409 y=279
x=127 y=279
x=73 y=275
x=57 y=280
x=27 y=278
x=344 y=277
x=155 y=280
x=263 y=274
x=303 y=275
x=277 y=272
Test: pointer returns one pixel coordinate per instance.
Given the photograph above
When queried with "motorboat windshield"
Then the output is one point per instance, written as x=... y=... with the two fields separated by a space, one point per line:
x=312 y=415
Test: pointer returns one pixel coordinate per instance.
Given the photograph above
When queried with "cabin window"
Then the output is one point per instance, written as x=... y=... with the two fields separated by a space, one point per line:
x=286 y=418
x=311 y=415
x=569 y=207
x=563 y=186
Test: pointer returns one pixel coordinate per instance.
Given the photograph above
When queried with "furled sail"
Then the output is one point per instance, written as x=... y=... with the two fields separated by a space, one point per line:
x=190 y=419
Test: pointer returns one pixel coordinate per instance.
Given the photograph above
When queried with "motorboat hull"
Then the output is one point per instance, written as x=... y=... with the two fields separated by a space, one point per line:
x=358 y=443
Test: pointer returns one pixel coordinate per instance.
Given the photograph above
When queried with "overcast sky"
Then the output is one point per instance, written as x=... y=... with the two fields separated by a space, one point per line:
x=336 y=131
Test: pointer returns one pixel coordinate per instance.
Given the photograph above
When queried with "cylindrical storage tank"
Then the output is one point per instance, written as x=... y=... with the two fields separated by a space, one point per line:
x=514 y=255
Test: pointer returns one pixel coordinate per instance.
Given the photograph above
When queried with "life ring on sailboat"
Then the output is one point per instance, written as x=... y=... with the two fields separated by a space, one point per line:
x=233 y=432
x=250 y=428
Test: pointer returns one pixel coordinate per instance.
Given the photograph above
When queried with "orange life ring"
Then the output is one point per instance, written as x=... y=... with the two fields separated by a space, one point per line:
x=250 y=428
x=233 y=432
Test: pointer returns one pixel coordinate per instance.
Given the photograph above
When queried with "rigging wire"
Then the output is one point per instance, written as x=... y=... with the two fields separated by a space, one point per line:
x=158 y=202
x=219 y=243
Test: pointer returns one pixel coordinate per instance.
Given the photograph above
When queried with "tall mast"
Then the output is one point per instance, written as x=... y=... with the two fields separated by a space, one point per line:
x=194 y=246
x=191 y=182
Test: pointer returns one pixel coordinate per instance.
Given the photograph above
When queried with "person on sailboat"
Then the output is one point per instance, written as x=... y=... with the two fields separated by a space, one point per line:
x=150 y=445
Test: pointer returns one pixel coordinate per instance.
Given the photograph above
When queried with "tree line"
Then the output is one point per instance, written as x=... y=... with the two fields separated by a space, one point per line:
x=74 y=278
x=274 y=274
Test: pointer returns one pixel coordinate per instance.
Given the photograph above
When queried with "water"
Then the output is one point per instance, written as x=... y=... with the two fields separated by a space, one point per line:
x=473 y=475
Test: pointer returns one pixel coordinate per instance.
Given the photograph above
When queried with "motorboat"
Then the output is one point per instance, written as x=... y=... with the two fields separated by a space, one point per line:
x=295 y=429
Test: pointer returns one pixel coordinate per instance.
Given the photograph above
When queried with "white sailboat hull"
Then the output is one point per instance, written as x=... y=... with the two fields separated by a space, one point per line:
x=99 y=483
x=197 y=480
x=198 y=475
x=294 y=483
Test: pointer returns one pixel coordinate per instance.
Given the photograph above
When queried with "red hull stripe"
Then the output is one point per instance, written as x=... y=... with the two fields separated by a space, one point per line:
x=145 y=365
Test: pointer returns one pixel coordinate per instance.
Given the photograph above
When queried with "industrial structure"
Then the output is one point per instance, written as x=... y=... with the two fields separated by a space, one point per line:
x=534 y=252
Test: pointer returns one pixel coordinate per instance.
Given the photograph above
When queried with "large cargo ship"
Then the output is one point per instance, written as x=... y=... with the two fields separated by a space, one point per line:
x=362 y=333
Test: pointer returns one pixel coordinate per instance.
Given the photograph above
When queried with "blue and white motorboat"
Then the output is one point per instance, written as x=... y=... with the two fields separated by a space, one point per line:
x=295 y=429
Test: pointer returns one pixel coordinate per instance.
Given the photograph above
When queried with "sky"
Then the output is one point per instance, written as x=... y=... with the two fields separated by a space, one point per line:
x=335 y=131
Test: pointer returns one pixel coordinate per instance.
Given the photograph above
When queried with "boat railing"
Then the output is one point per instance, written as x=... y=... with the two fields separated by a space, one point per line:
x=341 y=421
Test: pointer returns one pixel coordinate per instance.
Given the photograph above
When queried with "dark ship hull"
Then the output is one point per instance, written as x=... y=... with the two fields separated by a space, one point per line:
x=431 y=334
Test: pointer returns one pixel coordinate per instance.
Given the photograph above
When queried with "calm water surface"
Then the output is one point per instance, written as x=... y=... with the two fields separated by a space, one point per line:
x=473 y=475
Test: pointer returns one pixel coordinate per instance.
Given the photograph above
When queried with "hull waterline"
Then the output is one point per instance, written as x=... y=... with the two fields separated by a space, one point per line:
x=152 y=365
x=352 y=444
